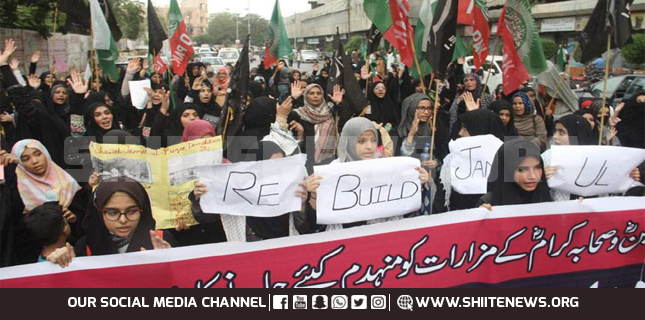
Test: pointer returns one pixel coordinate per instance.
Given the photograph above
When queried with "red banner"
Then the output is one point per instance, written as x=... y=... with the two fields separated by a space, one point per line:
x=466 y=12
x=514 y=72
x=594 y=243
x=481 y=38
x=181 y=48
x=400 y=33
x=158 y=65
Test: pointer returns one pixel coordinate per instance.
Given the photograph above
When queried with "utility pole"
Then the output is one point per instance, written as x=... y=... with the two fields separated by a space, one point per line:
x=237 y=28
x=349 y=7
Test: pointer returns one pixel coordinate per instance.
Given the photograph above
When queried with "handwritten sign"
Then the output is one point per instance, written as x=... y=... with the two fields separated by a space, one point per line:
x=168 y=174
x=258 y=189
x=368 y=189
x=471 y=162
x=594 y=170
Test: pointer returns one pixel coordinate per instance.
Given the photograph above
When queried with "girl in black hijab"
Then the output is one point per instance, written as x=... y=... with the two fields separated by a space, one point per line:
x=59 y=101
x=202 y=95
x=170 y=128
x=474 y=123
x=631 y=128
x=504 y=110
x=383 y=109
x=120 y=220
x=99 y=119
x=517 y=176
x=473 y=85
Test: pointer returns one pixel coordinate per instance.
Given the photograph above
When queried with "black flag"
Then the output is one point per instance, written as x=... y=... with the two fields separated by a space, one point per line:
x=230 y=124
x=608 y=16
x=373 y=39
x=442 y=38
x=354 y=99
x=111 y=20
x=78 y=16
x=156 y=33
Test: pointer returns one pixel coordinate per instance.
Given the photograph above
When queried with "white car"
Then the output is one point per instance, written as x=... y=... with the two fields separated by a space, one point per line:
x=229 y=56
x=309 y=56
x=215 y=62
x=495 y=73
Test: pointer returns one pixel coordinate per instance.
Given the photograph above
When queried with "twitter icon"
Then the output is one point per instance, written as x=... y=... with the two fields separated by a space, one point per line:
x=359 y=302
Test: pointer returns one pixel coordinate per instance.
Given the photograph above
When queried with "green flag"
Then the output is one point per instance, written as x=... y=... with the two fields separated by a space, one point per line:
x=103 y=42
x=277 y=45
x=526 y=37
x=421 y=33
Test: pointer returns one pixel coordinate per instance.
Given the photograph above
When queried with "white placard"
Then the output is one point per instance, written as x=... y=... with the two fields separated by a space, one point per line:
x=594 y=170
x=138 y=94
x=258 y=189
x=471 y=162
x=367 y=189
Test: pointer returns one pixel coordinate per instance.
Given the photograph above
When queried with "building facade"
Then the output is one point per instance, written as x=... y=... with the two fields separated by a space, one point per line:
x=560 y=21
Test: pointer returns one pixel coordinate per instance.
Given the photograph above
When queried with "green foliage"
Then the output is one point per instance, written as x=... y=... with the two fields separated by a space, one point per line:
x=36 y=15
x=129 y=16
x=203 y=39
x=221 y=28
x=354 y=44
x=549 y=48
x=635 y=52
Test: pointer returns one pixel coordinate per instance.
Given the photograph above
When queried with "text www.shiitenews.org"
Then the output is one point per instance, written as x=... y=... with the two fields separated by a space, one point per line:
x=497 y=302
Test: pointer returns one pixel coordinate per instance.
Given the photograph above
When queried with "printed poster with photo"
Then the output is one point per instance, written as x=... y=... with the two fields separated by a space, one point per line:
x=167 y=174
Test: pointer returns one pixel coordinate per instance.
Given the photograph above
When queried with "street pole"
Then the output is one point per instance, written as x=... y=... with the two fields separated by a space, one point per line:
x=349 y=29
x=248 y=18
x=237 y=29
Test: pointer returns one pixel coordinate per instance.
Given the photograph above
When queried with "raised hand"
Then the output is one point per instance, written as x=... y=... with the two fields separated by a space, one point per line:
x=337 y=97
x=35 y=57
x=165 y=100
x=197 y=85
x=296 y=90
x=612 y=133
x=14 y=64
x=315 y=66
x=365 y=72
x=34 y=81
x=471 y=104
x=77 y=83
x=283 y=110
x=145 y=64
x=133 y=65
x=9 y=49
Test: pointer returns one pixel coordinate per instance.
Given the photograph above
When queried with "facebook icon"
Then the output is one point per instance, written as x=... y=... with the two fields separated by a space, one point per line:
x=280 y=302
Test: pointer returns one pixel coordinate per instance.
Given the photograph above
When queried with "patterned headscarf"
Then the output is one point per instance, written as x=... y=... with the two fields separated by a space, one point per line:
x=526 y=100
x=322 y=118
x=55 y=185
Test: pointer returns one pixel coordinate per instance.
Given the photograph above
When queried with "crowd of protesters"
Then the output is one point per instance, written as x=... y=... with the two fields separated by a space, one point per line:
x=48 y=215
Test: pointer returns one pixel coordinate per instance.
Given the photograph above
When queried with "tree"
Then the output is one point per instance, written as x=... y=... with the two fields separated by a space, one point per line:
x=549 y=48
x=203 y=39
x=36 y=15
x=221 y=28
x=354 y=44
x=129 y=16
x=635 y=52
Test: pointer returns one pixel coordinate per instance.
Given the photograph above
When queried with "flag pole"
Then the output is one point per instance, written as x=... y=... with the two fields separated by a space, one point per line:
x=51 y=66
x=434 y=118
x=492 y=62
x=604 y=91
x=416 y=62
x=560 y=82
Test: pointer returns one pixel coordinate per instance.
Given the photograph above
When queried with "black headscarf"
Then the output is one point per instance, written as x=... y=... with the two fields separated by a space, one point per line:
x=255 y=90
x=211 y=107
x=482 y=122
x=384 y=110
x=497 y=106
x=92 y=128
x=62 y=110
x=501 y=184
x=99 y=239
x=258 y=117
x=275 y=227
x=631 y=130
x=173 y=125
x=579 y=129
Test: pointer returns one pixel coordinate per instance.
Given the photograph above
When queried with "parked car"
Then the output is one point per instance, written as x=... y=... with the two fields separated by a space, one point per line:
x=215 y=62
x=229 y=55
x=495 y=73
x=309 y=56
x=619 y=88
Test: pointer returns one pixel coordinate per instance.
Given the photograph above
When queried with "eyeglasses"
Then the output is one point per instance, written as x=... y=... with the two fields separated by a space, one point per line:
x=132 y=214
x=424 y=109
